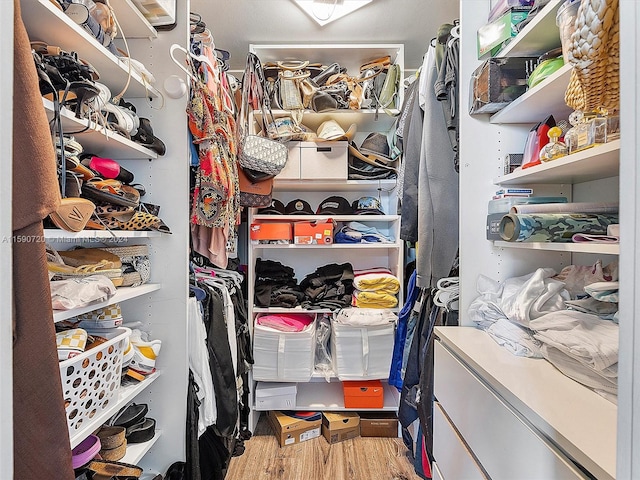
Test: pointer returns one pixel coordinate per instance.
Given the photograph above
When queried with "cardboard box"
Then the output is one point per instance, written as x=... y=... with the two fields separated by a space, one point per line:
x=270 y=231
x=316 y=233
x=291 y=430
x=276 y=396
x=378 y=424
x=363 y=394
x=340 y=426
x=493 y=35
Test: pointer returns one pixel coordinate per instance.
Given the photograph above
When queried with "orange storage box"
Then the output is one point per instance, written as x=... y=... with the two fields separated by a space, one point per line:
x=266 y=231
x=307 y=233
x=363 y=394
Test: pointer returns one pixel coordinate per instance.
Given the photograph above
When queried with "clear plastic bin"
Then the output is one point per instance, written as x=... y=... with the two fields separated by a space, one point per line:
x=566 y=20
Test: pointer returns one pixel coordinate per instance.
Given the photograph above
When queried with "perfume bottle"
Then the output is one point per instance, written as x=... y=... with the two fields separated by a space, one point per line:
x=555 y=148
x=589 y=129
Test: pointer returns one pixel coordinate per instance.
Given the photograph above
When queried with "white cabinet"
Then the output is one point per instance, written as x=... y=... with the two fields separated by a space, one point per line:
x=310 y=175
x=160 y=305
x=489 y=396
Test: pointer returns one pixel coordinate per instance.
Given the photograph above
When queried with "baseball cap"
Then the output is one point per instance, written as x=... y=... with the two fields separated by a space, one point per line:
x=298 y=207
x=335 y=205
x=275 y=208
x=367 y=206
x=331 y=130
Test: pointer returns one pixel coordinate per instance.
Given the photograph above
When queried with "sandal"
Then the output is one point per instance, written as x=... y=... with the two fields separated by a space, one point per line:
x=137 y=221
x=114 y=469
x=110 y=191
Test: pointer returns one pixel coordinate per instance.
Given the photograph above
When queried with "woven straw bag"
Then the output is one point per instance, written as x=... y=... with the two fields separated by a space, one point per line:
x=595 y=56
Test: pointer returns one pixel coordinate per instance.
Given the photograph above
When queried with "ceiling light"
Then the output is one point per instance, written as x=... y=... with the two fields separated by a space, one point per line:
x=325 y=11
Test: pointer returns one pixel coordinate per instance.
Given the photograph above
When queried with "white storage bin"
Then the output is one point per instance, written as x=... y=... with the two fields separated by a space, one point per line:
x=316 y=161
x=275 y=396
x=283 y=356
x=91 y=380
x=323 y=160
x=362 y=352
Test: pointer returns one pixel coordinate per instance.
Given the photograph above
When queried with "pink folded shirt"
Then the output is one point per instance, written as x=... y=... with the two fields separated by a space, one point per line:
x=286 y=322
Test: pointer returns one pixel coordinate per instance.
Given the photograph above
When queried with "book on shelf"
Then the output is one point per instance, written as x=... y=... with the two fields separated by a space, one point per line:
x=499 y=196
x=513 y=191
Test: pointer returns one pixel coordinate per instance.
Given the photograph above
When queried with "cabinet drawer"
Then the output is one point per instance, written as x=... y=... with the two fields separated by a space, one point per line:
x=325 y=161
x=291 y=170
x=504 y=444
x=452 y=455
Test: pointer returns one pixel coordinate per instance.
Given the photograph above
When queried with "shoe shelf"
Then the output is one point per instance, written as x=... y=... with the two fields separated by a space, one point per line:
x=135 y=451
x=55 y=28
x=122 y=294
x=539 y=36
x=598 y=162
x=54 y=234
x=538 y=102
x=125 y=395
x=600 y=248
x=95 y=139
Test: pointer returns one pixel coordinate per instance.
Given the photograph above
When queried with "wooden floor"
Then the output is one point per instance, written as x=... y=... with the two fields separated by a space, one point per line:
x=357 y=459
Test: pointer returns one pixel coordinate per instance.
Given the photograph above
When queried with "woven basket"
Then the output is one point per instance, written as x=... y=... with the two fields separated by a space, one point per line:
x=595 y=55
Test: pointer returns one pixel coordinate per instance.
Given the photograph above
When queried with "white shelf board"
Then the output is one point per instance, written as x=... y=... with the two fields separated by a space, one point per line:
x=333 y=185
x=539 y=36
x=54 y=234
x=351 y=56
x=125 y=395
x=365 y=120
x=324 y=218
x=122 y=294
x=325 y=396
x=330 y=397
x=132 y=21
x=96 y=140
x=578 y=420
x=538 y=102
x=272 y=310
x=45 y=22
x=598 y=162
x=333 y=246
x=135 y=451
x=600 y=248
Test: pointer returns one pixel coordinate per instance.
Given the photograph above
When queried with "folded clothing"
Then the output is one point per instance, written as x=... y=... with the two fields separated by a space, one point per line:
x=286 y=322
x=377 y=282
x=365 y=316
x=374 y=300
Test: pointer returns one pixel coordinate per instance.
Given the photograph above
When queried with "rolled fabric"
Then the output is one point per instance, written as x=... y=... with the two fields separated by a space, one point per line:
x=553 y=227
x=574 y=207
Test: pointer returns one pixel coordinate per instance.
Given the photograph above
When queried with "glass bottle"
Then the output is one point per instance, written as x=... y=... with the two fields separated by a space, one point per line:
x=555 y=148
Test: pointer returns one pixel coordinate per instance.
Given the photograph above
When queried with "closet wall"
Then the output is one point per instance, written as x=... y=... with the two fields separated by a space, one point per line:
x=483 y=146
x=6 y=296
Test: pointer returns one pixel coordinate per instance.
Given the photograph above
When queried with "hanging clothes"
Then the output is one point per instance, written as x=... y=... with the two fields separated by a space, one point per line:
x=215 y=210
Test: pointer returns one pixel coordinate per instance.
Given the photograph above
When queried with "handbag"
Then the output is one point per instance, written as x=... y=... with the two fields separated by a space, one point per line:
x=254 y=194
x=258 y=152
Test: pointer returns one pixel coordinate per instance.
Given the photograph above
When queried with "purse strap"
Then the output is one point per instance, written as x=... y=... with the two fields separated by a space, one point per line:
x=253 y=97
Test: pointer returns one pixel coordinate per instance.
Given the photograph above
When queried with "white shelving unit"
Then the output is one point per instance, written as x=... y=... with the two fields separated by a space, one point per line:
x=159 y=306
x=318 y=394
x=506 y=416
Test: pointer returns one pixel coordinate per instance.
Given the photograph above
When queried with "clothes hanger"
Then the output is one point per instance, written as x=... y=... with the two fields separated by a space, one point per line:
x=199 y=58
